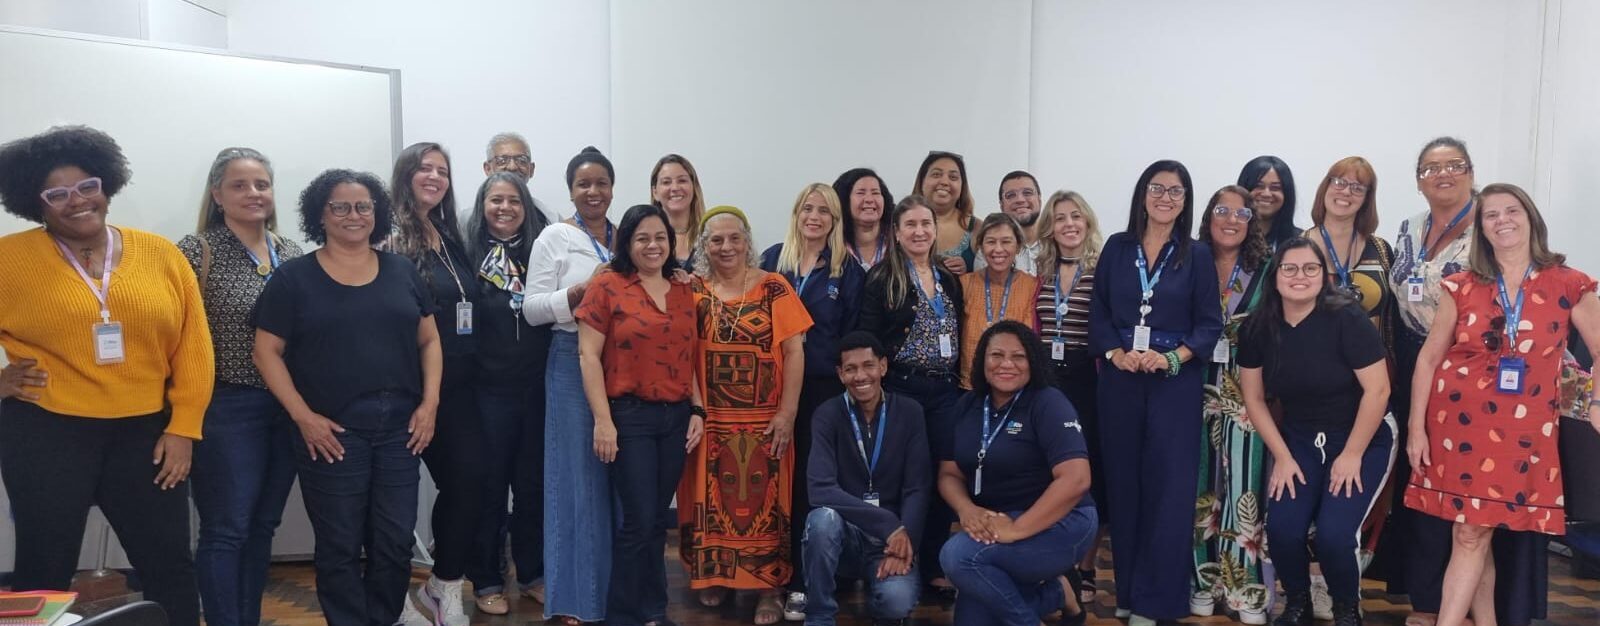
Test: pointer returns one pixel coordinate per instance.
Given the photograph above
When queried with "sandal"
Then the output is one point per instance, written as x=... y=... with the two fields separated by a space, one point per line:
x=713 y=597
x=1422 y=619
x=1086 y=586
x=769 y=610
x=1067 y=585
x=568 y=620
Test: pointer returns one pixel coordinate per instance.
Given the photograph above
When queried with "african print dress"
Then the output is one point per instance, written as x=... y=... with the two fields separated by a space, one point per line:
x=1229 y=516
x=734 y=503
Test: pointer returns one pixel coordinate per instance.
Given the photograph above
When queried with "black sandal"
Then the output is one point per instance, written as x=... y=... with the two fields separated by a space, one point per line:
x=1069 y=582
x=1087 y=590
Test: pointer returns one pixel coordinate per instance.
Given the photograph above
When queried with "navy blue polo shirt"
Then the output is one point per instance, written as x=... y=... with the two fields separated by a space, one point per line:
x=1040 y=432
x=832 y=301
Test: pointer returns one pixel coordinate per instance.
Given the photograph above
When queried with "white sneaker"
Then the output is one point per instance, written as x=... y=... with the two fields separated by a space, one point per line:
x=1123 y=613
x=410 y=616
x=1202 y=604
x=443 y=598
x=1321 y=602
x=794 y=607
x=1253 y=617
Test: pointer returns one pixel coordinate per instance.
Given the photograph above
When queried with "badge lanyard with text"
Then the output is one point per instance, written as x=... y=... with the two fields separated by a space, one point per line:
x=987 y=437
x=1058 y=346
x=464 y=307
x=988 y=296
x=603 y=252
x=1147 y=283
x=946 y=344
x=108 y=342
x=871 y=496
x=1342 y=269
x=1224 y=350
x=1416 y=283
x=1511 y=369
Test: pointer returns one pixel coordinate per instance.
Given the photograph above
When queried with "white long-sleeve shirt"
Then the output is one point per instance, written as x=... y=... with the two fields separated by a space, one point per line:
x=561 y=257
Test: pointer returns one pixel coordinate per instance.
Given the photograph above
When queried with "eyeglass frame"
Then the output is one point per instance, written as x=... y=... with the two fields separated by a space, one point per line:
x=1454 y=164
x=1283 y=270
x=77 y=188
x=334 y=208
x=508 y=159
x=1158 y=190
x=1241 y=214
x=1344 y=184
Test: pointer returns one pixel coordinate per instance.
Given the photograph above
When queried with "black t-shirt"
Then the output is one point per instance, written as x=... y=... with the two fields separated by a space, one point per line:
x=458 y=350
x=1041 y=431
x=344 y=342
x=1312 y=367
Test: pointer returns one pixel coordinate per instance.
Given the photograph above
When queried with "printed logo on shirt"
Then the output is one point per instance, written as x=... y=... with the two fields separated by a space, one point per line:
x=1073 y=425
x=1013 y=428
x=833 y=291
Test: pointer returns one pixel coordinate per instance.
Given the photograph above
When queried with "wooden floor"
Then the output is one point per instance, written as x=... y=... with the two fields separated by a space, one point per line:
x=291 y=601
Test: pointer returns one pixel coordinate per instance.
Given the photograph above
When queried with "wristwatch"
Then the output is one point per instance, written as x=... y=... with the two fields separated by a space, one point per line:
x=1111 y=353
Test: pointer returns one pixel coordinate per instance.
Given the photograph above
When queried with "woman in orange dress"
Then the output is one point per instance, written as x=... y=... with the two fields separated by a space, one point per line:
x=1484 y=401
x=734 y=504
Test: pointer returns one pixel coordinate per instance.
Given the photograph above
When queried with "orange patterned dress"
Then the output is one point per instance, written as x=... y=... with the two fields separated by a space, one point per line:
x=1495 y=458
x=734 y=500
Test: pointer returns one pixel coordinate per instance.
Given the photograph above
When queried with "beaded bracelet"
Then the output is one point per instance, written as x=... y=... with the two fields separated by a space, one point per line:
x=1174 y=364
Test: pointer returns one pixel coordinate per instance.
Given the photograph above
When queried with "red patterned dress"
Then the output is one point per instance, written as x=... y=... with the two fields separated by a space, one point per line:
x=1495 y=458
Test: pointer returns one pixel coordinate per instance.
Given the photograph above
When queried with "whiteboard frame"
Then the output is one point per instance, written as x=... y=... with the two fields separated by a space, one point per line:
x=396 y=125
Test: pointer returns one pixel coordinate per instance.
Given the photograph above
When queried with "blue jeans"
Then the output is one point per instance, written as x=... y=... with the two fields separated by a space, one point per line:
x=368 y=501
x=834 y=547
x=644 y=477
x=243 y=472
x=1338 y=518
x=513 y=433
x=1015 y=584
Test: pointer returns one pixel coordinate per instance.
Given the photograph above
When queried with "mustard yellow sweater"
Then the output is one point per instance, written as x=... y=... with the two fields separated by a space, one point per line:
x=47 y=313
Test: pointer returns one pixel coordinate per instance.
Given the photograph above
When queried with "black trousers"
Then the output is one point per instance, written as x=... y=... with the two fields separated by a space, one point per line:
x=938 y=398
x=644 y=477
x=56 y=466
x=815 y=391
x=456 y=462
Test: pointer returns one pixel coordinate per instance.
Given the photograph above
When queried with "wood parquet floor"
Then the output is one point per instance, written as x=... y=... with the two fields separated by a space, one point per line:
x=291 y=600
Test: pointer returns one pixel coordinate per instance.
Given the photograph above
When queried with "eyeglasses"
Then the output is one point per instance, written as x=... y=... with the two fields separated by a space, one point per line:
x=342 y=209
x=58 y=197
x=1025 y=192
x=1242 y=214
x=507 y=159
x=1344 y=185
x=1158 y=190
x=1454 y=168
x=1309 y=270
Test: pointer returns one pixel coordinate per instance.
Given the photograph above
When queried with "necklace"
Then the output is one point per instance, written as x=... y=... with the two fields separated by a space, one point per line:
x=724 y=319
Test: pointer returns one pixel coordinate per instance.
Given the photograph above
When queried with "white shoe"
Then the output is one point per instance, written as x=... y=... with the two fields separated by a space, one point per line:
x=794 y=607
x=443 y=598
x=1202 y=604
x=1321 y=602
x=1253 y=617
x=410 y=616
x=1123 y=613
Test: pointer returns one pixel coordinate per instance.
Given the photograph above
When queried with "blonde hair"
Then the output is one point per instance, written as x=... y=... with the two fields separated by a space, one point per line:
x=210 y=210
x=1048 y=250
x=697 y=208
x=1480 y=259
x=789 y=255
x=895 y=269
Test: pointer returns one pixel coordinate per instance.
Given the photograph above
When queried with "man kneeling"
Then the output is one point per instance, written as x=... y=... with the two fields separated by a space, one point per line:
x=870 y=480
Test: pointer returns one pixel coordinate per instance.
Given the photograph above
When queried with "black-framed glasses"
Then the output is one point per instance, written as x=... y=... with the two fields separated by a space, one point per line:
x=59 y=196
x=1454 y=167
x=1347 y=185
x=342 y=209
x=512 y=159
x=1174 y=192
x=1309 y=270
x=1242 y=214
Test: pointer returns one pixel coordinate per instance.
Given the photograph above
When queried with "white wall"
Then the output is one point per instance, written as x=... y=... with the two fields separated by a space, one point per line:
x=1569 y=138
x=1213 y=86
x=766 y=97
x=470 y=69
x=189 y=22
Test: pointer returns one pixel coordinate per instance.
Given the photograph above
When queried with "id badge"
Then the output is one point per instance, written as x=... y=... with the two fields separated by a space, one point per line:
x=1058 y=349
x=1414 y=289
x=946 y=348
x=871 y=497
x=1222 y=352
x=1509 y=375
x=1141 y=338
x=463 y=318
x=108 y=344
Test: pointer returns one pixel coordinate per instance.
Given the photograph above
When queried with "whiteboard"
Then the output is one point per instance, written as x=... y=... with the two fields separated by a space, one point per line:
x=171 y=108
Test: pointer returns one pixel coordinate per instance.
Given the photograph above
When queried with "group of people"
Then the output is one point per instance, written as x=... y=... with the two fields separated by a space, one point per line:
x=828 y=408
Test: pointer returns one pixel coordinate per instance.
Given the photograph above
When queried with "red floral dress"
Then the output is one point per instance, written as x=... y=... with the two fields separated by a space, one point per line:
x=1495 y=459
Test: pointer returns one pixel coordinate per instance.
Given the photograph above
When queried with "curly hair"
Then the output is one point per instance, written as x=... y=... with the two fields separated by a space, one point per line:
x=27 y=162
x=315 y=198
x=1255 y=250
x=1039 y=367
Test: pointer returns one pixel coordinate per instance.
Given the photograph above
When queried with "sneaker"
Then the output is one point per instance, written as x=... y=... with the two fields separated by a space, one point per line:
x=410 y=616
x=493 y=604
x=1252 y=617
x=1124 y=613
x=1296 y=610
x=443 y=598
x=1201 y=603
x=794 y=607
x=1321 y=602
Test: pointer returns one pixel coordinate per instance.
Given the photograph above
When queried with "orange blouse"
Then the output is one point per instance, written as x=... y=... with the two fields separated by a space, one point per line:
x=979 y=308
x=649 y=353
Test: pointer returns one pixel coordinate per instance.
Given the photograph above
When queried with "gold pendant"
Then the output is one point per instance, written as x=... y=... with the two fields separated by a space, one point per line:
x=263 y=269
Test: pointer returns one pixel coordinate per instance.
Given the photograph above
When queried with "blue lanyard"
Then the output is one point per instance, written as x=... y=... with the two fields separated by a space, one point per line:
x=863 y=261
x=1513 y=313
x=989 y=435
x=1060 y=312
x=938 y=288
x=602 y=252
x=1342 y=269
x=861 y=443
x=1427 y=230
x=988 y=295
x=272 y=256
x=1233 y=279
x=1146 y=281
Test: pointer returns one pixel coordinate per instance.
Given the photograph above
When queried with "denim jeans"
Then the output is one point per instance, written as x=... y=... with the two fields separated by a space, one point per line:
x=367 y=501
x=1015 y=584
x=243 y=472
x=513 y=433
x=644 y=477
x=836 y=548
